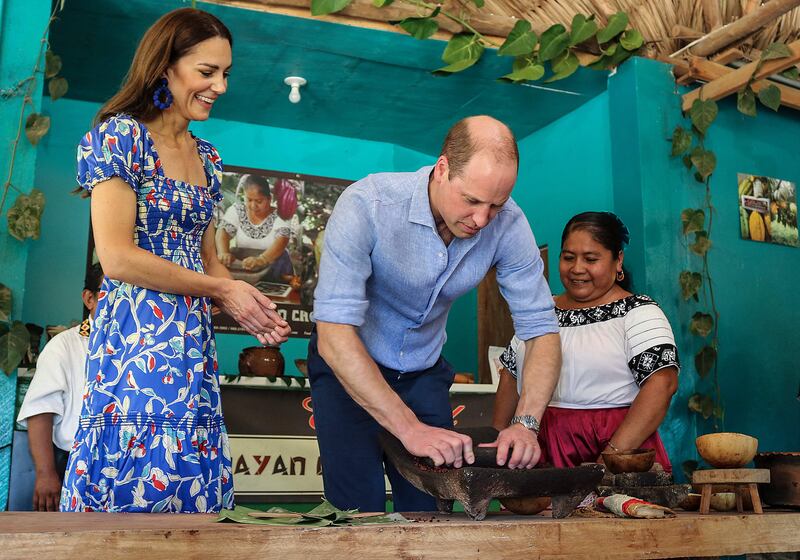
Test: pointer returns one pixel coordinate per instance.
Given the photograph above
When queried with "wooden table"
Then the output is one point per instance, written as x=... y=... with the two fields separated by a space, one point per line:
x=173 y=537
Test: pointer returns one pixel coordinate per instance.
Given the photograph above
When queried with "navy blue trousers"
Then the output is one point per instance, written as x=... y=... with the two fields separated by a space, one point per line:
x=352 y=459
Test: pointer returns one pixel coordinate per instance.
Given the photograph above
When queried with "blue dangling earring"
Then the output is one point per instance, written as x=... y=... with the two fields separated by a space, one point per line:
x=162 y=96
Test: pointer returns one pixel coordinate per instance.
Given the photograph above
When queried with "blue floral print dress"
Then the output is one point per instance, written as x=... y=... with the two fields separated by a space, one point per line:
x=151 y=436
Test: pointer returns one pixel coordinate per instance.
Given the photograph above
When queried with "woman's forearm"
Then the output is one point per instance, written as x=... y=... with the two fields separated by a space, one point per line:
x=275 y=250
x=647 y=410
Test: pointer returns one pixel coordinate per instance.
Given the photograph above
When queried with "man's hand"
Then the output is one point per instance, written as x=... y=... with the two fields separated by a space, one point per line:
x=443 y=447
x=526 y=452
x=46 y=491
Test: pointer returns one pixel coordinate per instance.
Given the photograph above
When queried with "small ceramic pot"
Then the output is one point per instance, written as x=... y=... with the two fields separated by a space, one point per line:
x=261 y=361
x=784 y=474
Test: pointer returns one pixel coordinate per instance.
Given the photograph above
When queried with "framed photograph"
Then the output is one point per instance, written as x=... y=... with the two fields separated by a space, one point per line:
x=768 y=209
x=270 y=226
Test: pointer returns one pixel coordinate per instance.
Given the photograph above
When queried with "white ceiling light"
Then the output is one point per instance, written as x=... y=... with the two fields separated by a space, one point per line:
x=294 y=82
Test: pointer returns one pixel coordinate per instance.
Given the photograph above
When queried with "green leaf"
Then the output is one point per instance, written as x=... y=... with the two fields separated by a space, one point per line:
x=419 y=28
x=701 y=243
x=775 y=50
x=5 y=303
x=13 y=345
x=52 y=64
x=520 y=41
x=583 y=29
x=687 y=161
x=693 y=220
x=456 y=66
x=57 y=87
x=681 y=141
x=323 y=7
x=616 y=25
x=478 y=3
x=691 y=282
x=553 y=42
x=704 y=360
x=746 y=101
x=708 y=407
x=704 y=161
x=464 y=46
x=36 y=126
x=631 y=40
x=703 y=113
x=770 y=96
x=701 y=324
x=563 y=66
x=25 y=216
x=381 y=3
x=610 y=50
x=792 y=73
x=531 y=73
x=719 y=412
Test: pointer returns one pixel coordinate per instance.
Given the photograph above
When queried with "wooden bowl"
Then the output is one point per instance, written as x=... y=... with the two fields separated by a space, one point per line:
x=631 y=460
x=691 y=503
x=261 y=361
x=530 y=505
x=727 y=450
x=723 y=501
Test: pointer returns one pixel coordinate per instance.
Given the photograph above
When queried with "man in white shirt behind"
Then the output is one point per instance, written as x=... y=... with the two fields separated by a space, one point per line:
x=53 y=402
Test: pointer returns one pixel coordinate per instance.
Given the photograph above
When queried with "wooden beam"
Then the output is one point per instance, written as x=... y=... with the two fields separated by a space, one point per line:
x=751 y=6
x=702 y=69
x=728 y=56
x=711 y=14
x=742 y=27
x=683 y=32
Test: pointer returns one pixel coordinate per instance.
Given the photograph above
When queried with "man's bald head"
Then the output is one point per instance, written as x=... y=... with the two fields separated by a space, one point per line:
x=476 y=134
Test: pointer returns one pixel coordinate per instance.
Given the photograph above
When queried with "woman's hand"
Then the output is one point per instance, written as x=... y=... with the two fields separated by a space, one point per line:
x=254 y=263
x=254 y=311
x=226 y=259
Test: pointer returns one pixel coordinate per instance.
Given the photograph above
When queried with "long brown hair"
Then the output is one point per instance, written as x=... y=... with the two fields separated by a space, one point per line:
x=167 y=40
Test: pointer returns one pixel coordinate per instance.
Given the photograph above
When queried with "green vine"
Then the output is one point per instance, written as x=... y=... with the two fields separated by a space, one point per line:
x=698 y=159
x=556 y=47
x=24 y=216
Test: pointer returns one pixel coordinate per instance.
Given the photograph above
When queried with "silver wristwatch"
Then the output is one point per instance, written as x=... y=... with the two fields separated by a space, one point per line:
x=527 y=420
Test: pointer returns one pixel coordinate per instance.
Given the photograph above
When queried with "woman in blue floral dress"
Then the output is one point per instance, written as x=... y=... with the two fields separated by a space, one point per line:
x=151 y=436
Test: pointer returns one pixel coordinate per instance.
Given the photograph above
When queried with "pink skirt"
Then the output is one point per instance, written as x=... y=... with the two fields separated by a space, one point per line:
x=569 y=437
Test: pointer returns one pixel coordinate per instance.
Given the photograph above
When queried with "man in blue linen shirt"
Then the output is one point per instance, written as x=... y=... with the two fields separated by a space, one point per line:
x=399 y=248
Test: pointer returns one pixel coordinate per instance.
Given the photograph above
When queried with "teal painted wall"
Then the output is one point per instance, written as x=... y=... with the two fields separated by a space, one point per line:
x=56 y=263
x=22 y=23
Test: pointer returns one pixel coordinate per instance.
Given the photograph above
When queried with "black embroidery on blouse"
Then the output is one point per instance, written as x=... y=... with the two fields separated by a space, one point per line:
x=605 y=312
x=255 y=231
x=643 y=365
x=509 y=360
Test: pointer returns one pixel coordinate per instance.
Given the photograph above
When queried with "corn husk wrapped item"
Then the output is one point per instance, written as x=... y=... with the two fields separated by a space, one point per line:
x=628 y=506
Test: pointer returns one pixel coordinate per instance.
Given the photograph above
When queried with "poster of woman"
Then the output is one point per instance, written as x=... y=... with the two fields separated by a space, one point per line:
x=269 y=226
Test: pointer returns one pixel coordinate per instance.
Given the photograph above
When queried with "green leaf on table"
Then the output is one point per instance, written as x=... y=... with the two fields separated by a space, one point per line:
x=690 y=282
x=770 y=96
x=52 y=64
x=5 y=303
x=704 y=360
x=616 y=25
x=701 y=324
x=792 y=73
x=681 y=141
x=381 y=3
x=553 y=42
x=693 y=220
x=57 y=87
x=525 y=68
x=704 y=161
x=582 y=29
x=703 y=113
x=563 y=66
x=36 y=126
x=701 y=243
x=521 y=40
x=25 y=216
x=776 y=50
x=323 y=7
x=631 y=40
x=13 y=346
x=746 y=101
x=419 y=27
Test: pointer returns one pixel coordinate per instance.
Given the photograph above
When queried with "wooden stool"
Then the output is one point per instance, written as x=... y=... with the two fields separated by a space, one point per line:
x=743 y=480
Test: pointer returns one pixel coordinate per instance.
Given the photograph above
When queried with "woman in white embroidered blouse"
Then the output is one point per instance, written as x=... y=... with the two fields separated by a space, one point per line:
x=620 y=364
x=259 y=234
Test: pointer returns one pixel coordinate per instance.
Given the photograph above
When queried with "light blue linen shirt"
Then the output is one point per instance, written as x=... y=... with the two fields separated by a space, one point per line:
x=386 y=270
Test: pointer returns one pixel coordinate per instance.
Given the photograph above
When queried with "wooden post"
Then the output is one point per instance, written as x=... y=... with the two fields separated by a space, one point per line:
x=742 y=27
x=711 y=14
x=734 y=80
x=683 y=32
